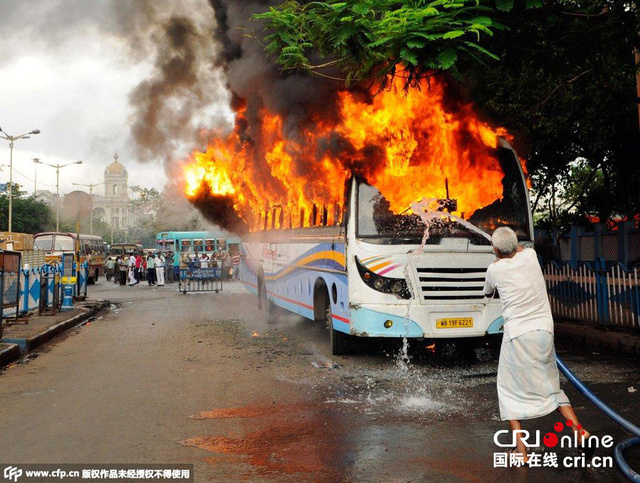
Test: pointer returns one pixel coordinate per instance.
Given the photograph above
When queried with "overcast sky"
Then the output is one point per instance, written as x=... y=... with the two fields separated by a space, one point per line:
x=69 y=67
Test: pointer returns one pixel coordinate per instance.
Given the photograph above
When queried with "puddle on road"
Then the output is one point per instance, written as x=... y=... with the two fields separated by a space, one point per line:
x=304 y=438
x=249 y=411
x=421 y=404
x=352 y=414
x=417 y=392
x=330 y=440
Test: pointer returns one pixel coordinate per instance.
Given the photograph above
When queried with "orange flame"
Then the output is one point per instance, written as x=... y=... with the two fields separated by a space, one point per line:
x=407 y=144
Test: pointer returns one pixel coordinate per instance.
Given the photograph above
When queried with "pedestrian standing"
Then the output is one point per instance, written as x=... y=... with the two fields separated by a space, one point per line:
x=204 y=261
x=110 y=268
x=528 y=378
x=226 y=265
x=169 y=263
x=122 y=271
x=235 y=261
x=116 y=270
x=138 y=267
x=132 y=270
x=151 y=271
x=159 y=264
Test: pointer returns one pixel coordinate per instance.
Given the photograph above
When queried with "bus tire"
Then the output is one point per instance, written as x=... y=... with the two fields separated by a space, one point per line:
x=339 y=342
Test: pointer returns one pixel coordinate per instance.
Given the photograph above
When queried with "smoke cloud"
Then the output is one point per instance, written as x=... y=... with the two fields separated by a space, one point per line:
x=185 y=96
x=256 y=84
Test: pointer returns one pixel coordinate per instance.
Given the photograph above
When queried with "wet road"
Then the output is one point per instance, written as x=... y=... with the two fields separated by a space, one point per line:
x=199 y=378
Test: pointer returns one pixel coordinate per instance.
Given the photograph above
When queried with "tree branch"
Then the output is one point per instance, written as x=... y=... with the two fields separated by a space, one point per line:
x=602 y=13
x=562 y=84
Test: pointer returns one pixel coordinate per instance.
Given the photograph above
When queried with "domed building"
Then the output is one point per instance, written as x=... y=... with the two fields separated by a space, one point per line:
x=114 y=207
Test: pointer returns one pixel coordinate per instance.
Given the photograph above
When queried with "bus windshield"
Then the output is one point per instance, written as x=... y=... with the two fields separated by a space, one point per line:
x=376 y=221
x=63 y=243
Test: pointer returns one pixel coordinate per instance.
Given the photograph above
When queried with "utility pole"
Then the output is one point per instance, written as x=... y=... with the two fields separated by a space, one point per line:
x=58 y=167
x=12 y=139
x=90 y=186
x=35 y=177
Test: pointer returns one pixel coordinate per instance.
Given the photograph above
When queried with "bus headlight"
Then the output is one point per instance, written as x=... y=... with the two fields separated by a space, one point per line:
x=388 y=285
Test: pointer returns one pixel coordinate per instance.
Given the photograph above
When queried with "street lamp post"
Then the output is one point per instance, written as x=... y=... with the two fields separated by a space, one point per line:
x=11 y=140
x=90 y=186
x=58 y=167
x=35 y=177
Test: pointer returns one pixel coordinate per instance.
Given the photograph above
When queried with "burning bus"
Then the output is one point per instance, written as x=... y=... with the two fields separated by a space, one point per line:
x=377 y=225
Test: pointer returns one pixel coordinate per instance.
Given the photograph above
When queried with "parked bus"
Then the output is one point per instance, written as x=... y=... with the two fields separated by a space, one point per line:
x=196 y=242
x=367 y=275
x=125 y=249
x=85 y=247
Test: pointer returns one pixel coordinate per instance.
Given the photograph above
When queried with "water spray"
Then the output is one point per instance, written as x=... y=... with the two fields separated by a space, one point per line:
x=621 y=447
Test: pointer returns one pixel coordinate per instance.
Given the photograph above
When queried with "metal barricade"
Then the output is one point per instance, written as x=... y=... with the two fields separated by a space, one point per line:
x=9 y=283
x=50 y=293
x=197 y=279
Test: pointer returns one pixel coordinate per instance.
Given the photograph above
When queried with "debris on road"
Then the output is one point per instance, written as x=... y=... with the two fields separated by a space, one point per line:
x=325 y=365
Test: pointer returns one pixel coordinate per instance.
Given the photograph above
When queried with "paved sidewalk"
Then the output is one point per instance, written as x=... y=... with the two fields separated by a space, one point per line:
x=599 y=338
x=22 y=337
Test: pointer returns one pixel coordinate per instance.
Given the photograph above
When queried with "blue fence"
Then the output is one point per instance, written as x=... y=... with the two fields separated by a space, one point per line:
x=596 y=292
x=580 y=245
x=32 y=280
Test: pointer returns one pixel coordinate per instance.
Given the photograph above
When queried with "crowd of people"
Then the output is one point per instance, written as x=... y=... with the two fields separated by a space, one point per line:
x=159 y=268
x=229 y=262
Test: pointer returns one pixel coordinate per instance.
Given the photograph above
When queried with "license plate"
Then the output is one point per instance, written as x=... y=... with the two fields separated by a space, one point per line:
x=454 y=323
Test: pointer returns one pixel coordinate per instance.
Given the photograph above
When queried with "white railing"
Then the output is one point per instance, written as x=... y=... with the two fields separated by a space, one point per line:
x=595 y=292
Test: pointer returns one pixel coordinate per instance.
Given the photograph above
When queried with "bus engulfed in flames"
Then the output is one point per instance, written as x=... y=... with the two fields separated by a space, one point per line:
x=410 y=145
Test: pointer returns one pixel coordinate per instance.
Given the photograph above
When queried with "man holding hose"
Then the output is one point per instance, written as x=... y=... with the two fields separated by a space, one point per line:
x=528 y=377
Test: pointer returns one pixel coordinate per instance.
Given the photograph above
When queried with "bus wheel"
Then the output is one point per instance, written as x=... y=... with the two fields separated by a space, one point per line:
x=339 y=342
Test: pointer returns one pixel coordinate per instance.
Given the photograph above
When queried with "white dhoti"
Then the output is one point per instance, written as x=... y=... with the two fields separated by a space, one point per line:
x=528 y=378
x=160 y=275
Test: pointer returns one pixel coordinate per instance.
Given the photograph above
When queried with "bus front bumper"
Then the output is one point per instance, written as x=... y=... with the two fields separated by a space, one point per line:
x=369 y=320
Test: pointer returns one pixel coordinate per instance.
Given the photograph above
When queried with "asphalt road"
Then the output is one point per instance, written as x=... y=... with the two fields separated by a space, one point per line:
x=199 y=378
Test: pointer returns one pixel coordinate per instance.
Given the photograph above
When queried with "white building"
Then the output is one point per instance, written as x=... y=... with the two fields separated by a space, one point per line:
x=113 y=206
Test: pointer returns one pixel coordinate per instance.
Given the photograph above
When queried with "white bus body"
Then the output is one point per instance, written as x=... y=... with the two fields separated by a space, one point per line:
x=364 y=280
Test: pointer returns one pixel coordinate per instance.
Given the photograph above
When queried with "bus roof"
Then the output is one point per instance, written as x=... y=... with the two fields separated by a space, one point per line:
x=73 y=235
x=195 y=234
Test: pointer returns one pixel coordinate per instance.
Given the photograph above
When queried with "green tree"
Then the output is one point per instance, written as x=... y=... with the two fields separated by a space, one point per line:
x=28 y=215
x=367 y=39
x=565 y=85
x=145 y=208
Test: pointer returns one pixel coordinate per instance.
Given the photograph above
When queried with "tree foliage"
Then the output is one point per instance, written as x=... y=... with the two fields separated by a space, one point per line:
x=28 y=215
x=566 y=88
x=365 y=39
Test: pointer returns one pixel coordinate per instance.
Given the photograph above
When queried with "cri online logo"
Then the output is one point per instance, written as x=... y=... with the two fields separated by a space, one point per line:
x=551 y=440
x=12 y=473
